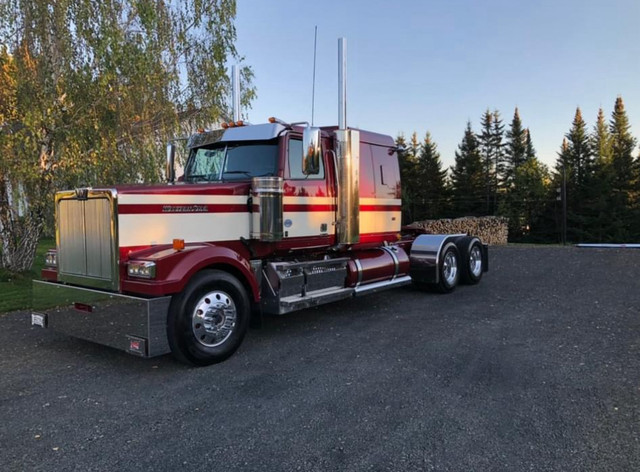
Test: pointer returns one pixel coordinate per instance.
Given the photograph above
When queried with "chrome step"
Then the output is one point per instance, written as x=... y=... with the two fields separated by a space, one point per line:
x=383 y=285
x=315 y=298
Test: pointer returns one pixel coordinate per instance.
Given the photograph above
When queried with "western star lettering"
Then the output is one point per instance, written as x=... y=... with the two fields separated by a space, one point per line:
x=185 y=208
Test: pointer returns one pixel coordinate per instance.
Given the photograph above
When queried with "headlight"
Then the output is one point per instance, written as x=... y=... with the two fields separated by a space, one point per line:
x=142 y=269
x=51 y=258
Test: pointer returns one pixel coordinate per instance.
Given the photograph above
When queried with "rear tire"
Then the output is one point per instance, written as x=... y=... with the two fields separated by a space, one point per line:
x=209 y=319
x=471 y=260
x=448 y=269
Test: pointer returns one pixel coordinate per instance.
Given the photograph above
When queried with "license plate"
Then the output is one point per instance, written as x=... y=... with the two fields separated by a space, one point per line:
x=39 y=319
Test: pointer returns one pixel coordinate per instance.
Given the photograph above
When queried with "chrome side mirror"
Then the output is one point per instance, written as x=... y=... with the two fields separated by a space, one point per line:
x=171 y=158
x=311 y=151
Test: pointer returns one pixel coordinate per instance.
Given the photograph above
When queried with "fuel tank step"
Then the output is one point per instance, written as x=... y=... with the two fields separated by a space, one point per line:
x=318 y=297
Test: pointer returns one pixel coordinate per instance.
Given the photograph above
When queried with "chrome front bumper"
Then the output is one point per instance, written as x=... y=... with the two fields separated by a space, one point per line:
x=132 y=324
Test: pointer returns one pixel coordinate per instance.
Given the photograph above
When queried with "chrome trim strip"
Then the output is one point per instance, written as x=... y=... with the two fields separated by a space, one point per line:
x=385 y=284
x=359 y=267
x=396 y=263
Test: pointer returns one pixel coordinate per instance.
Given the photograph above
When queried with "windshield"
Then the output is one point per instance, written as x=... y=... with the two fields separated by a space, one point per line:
x=223 y=162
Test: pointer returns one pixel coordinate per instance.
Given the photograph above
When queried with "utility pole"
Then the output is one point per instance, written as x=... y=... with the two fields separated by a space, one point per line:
x=561 y=196
x=564 y=205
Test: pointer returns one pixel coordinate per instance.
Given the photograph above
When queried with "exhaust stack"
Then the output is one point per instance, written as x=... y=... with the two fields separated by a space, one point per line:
x=342 y=83
x=348 y=159
x=235 y=93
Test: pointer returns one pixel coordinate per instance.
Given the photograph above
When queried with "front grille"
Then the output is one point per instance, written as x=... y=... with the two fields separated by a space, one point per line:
x=86 y=238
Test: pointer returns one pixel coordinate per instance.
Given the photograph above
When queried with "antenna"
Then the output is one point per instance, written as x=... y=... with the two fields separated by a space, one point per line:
x=313 y=87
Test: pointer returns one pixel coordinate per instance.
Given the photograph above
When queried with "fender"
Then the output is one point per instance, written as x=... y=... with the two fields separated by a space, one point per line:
x=425 y=256
x=174 y=269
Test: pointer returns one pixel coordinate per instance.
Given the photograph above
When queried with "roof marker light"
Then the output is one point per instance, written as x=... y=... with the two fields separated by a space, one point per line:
x=178 y=244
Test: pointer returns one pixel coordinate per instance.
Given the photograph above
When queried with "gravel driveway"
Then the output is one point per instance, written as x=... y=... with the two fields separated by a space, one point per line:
x=537 y=368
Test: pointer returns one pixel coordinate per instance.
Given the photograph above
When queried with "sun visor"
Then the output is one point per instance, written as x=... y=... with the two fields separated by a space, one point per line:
x=261 y=132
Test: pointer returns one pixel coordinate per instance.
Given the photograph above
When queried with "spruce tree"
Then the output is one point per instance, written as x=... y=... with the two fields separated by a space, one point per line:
x=601 y=140
x=622 y=146
x=498 y=156
x=623 y=169
x=467 y=178
x=600 y=185
x=487 y=150
x=433 y=189
x=530 y=151
x=515 y=149
x=409 y=177
x=580 y=157
x=579 y=171
x=525 y=203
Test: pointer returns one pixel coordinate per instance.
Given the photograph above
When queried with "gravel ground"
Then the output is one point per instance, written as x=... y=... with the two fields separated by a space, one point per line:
x=537 y=368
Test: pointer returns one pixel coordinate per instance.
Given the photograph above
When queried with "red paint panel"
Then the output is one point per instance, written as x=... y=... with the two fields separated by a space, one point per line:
x=218 y=188
x=49 y=274
x=376 y=265
x=366 y=238
x=181 y=208
x=309 y=207
x=380 y=208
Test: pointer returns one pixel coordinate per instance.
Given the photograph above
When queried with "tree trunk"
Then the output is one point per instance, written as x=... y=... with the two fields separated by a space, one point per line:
x=19 y=235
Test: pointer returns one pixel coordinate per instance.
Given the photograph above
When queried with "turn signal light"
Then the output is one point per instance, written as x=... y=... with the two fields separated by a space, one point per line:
x=178 y=244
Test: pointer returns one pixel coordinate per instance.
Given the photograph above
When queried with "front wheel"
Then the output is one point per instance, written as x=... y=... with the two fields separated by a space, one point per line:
x=209 y=319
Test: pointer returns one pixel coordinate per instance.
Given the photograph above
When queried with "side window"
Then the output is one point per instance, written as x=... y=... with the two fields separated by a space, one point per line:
x=294 y=156
x=386 y=173
x=367 y=183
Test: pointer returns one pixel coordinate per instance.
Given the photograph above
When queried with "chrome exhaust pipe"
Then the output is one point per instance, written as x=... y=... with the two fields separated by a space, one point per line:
x=348 y=158
x=342 y=83
x=235 y=92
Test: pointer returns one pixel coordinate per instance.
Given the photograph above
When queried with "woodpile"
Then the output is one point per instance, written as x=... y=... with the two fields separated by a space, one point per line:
x=491 y=230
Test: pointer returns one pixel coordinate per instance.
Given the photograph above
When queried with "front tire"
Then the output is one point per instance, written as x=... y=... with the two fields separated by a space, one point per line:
x=209 y=319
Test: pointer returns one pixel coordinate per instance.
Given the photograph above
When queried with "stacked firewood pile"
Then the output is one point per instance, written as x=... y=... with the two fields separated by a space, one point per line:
x=491 y=230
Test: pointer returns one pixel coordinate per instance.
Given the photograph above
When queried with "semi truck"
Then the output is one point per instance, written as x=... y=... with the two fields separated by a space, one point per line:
x=266 y=219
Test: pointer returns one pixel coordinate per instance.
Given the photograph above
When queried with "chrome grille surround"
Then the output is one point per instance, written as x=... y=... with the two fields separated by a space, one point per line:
x=87 y=237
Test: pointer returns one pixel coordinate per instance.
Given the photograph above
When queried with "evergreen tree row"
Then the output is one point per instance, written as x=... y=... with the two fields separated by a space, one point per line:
x=592 y=195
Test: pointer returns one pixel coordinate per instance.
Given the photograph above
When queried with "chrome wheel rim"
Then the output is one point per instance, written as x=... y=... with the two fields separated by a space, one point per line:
x=475 y=261
x=214 y=318
x=450 y=268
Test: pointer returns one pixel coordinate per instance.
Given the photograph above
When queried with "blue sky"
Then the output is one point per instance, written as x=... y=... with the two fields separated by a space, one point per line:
x=432 y=65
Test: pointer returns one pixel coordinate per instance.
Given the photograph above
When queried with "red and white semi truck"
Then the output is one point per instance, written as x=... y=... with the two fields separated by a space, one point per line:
x=267 y=218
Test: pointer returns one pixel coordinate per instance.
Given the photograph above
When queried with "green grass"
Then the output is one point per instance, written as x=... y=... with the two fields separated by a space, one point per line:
x=15 y=289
